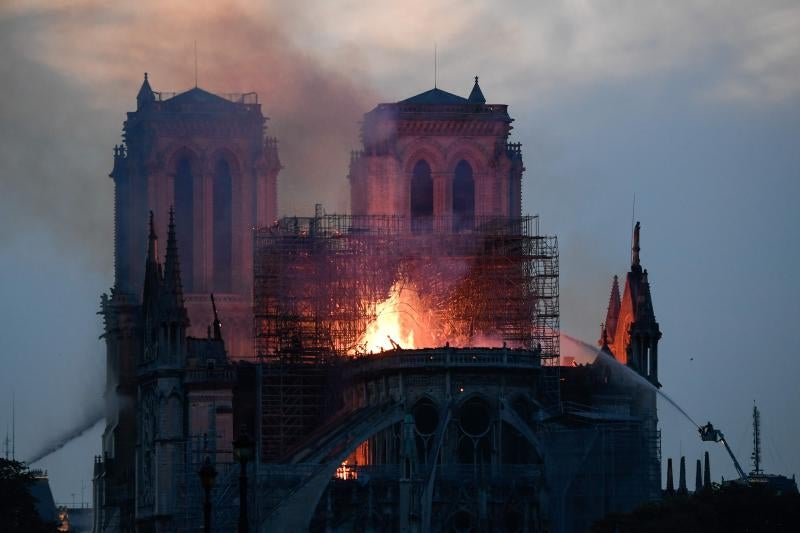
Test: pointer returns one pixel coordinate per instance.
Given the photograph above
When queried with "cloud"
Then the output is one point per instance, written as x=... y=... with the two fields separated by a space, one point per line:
x=539 y=49
x=767 y=69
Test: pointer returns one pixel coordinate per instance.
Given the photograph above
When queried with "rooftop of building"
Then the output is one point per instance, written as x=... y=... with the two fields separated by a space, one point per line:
x=437 y=103
x=194 y=99
x=446 y=357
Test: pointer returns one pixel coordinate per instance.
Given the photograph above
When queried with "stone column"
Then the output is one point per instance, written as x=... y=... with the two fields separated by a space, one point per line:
x=442 y=205
x=242 y=222
x=203 y=230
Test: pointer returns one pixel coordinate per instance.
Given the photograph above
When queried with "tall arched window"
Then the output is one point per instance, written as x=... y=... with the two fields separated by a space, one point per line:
x=222 y=226
x=421 y=197
x=184 y=220
x=463 y=197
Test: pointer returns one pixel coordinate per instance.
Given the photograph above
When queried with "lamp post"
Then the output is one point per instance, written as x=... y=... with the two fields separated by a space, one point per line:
x=243 y=452
x=207 y=475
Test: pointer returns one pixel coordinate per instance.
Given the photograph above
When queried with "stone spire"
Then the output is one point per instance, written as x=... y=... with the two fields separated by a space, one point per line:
x=145 y=95
x=612 y=313
x=173 y=290
x=172 y=268
x=152 y=272
x=707 y=473
x=476 y=96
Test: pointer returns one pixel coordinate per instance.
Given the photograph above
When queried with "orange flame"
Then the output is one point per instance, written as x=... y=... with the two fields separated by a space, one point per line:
x=407 y=320
x=401 y=320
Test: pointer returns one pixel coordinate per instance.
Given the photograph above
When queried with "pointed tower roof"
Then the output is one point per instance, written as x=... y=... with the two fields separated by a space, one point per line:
x=636 y=307
x=173 y=289
x=152 y=272
x=199 y=98
x=146 y=94
x=435 y=96
x=476 y=96
x=612 y=313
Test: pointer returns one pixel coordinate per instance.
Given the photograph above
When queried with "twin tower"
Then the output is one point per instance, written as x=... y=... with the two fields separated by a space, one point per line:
x=441 y=160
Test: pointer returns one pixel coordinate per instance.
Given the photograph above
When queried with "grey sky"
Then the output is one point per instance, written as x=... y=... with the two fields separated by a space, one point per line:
x=691 y=105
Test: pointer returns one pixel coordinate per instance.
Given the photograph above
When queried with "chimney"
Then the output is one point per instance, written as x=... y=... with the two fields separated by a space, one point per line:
x=707 y=474
x=682 y=479
x=670 y=484
x=698 y=478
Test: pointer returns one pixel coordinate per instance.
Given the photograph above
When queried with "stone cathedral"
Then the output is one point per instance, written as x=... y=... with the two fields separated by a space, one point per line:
x=226 y=320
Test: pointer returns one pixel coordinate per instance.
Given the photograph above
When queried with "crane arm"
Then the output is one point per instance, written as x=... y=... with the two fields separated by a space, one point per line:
x=708 y=433
x=742 y=475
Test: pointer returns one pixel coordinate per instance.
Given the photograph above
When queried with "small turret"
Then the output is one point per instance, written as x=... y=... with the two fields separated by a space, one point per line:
x=146 y=96
x=173 y=288
x=476 y=96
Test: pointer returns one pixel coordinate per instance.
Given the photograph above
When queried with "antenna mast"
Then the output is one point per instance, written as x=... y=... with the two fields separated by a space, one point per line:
x=435 y=65
x=633 y=217
x=756 y=456
x=13 y=427
x=195 y=63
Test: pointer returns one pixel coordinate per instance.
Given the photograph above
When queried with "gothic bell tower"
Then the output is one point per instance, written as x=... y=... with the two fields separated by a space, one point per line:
x=208 y=156
x=442 y=161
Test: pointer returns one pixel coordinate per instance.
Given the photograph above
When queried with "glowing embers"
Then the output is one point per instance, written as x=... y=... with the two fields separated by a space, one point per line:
x=348 y=470
x=403 y=320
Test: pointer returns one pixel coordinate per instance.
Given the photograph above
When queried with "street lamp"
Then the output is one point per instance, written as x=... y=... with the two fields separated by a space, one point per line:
x=207 y=475
x=243 y=451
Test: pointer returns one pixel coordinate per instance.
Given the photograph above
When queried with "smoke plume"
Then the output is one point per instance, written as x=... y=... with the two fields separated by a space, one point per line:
x=314 y=105
x=71 y=70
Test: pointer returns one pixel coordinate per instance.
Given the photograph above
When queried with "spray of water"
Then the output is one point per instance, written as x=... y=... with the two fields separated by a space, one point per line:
x=66 y=438
x=588 y=353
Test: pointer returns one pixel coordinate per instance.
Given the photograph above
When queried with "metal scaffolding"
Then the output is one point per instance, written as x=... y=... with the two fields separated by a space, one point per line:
x=319 y=280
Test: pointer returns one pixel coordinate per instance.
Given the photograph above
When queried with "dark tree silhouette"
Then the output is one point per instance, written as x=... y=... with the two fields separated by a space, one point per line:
x=17 y=506
x=731 y=508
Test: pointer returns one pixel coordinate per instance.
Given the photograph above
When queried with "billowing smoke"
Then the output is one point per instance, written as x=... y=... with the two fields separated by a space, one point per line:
x=314 y=104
